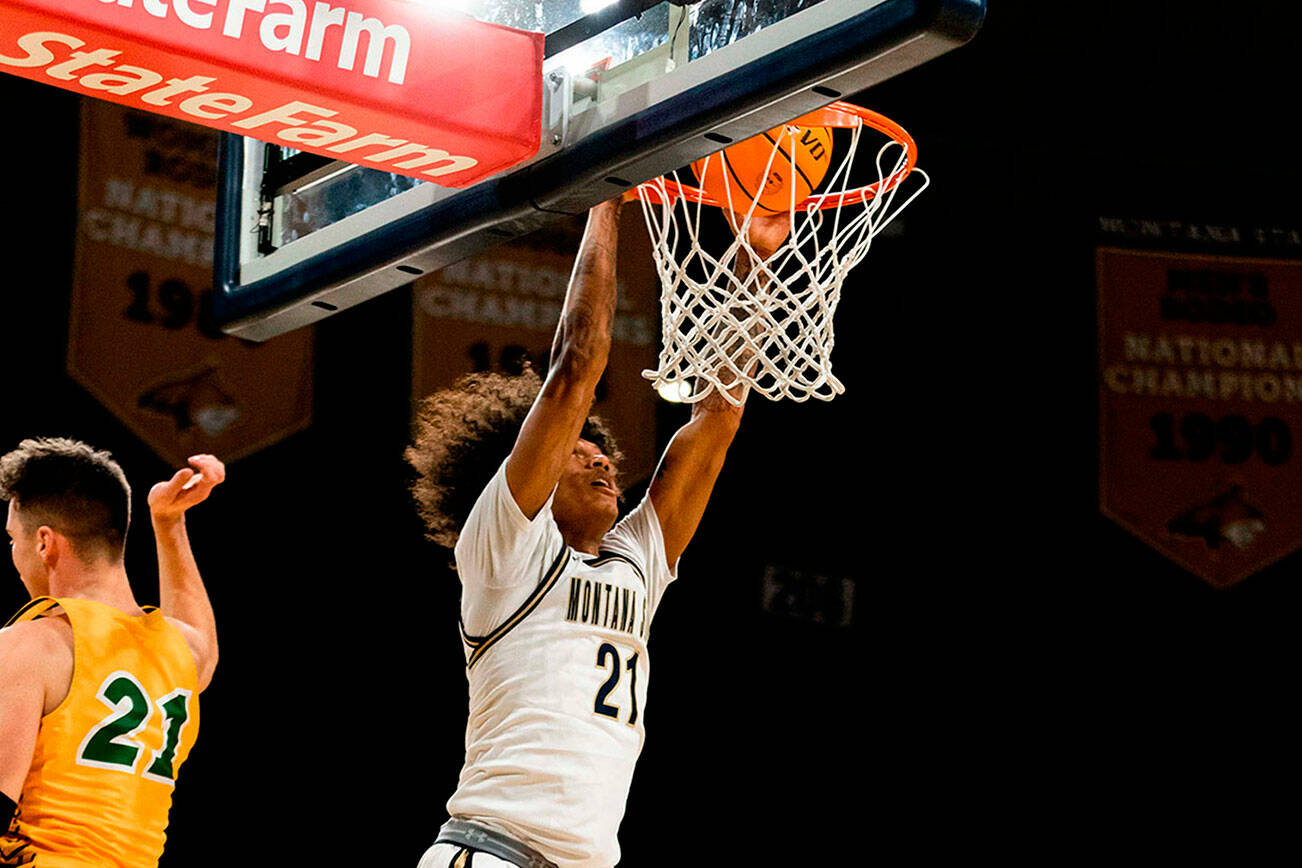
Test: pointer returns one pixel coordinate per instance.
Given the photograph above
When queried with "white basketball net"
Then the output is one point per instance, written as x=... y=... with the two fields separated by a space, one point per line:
x=734 y=322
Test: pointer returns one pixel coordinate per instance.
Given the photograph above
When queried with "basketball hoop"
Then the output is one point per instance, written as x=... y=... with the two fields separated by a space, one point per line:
x=739 y=321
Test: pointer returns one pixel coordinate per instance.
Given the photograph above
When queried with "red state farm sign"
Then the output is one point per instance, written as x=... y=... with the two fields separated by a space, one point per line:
x=399 y=86
x=1200 y=363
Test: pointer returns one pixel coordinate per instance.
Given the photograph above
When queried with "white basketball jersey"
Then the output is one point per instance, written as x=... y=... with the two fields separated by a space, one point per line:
x=557 y=661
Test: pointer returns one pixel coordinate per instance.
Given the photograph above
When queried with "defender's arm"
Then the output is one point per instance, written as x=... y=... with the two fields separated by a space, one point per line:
x=182 y=596
x=579 y=353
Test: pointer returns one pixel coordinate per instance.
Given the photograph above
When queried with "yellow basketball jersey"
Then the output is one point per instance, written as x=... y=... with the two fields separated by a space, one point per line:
x=100 y=784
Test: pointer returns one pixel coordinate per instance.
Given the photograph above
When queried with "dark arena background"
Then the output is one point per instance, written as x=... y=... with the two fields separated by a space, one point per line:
x=923 y=617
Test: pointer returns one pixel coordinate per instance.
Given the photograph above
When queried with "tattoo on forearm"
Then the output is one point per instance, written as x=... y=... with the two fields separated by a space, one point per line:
x=590 y=303
x=714 y=403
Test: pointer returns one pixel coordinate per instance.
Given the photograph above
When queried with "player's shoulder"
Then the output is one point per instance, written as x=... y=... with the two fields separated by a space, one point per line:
x=628 y=537
x=639 y=538
x=202 y=654
x=44 y=643
x=191 y=635
x=639 y=522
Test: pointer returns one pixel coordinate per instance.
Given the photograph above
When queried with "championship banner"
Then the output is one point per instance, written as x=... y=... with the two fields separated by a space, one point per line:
x=499 y=309
x=1200 y=362
x=408 y=87
x=142 y=339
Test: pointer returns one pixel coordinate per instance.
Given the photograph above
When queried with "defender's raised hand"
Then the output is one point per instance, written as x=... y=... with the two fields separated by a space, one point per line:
x=187 y=487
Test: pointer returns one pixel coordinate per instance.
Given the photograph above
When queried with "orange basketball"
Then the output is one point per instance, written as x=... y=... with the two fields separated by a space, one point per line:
x=751 y=171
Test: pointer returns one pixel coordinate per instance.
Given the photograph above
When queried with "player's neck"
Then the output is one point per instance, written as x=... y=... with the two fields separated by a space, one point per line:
x=583 y=539
x=105 y=584
x=588 y=547
x=584 y=530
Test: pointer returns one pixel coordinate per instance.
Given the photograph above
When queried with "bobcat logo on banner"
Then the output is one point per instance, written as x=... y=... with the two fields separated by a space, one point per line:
x=1200 y=364
x=142 y=339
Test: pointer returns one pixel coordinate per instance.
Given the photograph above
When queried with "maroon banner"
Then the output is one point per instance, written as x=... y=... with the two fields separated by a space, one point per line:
x=1200 y=362
x=141 y=337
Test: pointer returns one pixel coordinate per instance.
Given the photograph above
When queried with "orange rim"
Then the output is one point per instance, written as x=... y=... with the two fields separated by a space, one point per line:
x=837 y=114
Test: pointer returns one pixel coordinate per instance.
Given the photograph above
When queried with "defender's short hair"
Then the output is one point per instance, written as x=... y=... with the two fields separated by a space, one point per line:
x=74 y=488
x=463 y=434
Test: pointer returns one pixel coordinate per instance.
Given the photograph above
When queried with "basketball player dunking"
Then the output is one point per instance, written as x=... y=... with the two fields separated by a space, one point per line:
x=99 y=697
x=557 y=599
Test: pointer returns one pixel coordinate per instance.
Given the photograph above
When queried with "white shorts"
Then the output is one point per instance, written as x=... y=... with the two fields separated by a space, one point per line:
x=456 y=856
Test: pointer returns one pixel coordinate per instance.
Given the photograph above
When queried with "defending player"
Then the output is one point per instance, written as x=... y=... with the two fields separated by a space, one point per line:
x=556 y=605
x=99 y=697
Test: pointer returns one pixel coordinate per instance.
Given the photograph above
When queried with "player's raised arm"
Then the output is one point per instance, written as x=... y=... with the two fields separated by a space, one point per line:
x=182 y=596
x=690 y=466
x=579 y=353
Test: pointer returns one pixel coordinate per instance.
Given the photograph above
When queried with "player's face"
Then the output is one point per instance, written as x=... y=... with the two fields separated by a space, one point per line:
x=22 y=548
x=587 y=489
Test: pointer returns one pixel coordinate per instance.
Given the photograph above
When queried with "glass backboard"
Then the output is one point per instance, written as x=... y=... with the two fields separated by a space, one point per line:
x=631 y=90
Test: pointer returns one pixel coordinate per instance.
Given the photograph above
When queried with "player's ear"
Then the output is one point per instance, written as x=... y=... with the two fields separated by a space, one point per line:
x=47 y=544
